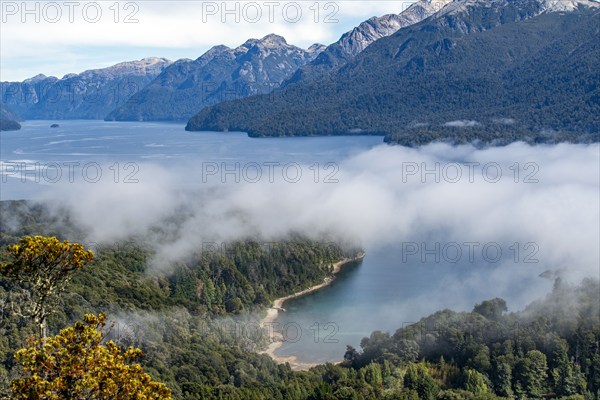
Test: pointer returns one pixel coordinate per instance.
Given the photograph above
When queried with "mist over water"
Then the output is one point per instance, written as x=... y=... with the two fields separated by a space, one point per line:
x=442 y=226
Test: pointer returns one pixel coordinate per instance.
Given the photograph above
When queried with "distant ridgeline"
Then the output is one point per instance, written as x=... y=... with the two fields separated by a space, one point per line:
x=190 y=323
x=89 y=95
x=489 y=71
x=155 y=89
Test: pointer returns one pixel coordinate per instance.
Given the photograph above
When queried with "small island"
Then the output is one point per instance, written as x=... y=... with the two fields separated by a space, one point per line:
x=54 y=126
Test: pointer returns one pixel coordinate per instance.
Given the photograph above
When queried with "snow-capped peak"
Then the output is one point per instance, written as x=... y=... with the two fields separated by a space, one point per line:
x=566 y=5
x=35 y=79
x=316 y=48
x=273 y=40
x=459 y=6
x=375 y=28
x=424 y=8
x=145 y=66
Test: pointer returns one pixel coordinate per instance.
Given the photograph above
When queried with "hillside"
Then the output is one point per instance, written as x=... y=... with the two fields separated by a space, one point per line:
x=508 y=70
x=8 y=120
x=356 y=40
x=193 y=325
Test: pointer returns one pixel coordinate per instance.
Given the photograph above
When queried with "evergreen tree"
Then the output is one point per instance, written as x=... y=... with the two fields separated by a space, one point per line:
x=562 y=373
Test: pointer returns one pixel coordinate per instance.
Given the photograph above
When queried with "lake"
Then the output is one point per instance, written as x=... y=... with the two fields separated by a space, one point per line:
x=385 y=291
x=165 y=144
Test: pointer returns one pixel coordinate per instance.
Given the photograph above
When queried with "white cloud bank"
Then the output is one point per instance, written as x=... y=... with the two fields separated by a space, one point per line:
x=551 y=198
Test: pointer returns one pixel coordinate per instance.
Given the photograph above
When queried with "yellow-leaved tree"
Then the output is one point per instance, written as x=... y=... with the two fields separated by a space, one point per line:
x=43 y=266
x=76 y=365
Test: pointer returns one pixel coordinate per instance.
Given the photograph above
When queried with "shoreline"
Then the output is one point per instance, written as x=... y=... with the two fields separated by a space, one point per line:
x=276 y=339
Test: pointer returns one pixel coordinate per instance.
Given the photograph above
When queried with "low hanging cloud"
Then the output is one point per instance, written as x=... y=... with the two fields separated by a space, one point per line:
x=505 y=121
x=547 y=195
x=462 y=123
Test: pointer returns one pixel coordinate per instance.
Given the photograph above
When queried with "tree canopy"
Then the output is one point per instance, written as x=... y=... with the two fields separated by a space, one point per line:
x=43 y=266
x=76 y=365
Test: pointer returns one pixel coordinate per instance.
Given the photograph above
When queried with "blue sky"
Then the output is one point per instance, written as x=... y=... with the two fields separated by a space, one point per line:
x=60 y=37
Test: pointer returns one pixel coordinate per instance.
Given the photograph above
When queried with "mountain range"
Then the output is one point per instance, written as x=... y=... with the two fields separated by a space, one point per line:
x=355 y=41
x=257 y=66
x=89 y=95
x=462 y=70
x=156 y=89
x=498 y=70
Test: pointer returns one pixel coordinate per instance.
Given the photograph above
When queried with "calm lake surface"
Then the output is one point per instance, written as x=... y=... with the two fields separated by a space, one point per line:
x=380 y=293
x=164 y=144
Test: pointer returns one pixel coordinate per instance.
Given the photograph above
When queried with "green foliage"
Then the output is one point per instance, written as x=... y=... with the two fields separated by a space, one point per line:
x=502 y=376
x=372 y=375
x=173 y=316
x=417 y=378
x=562 y=374
x=506 y=353
x=189 y=324
x=491 y=309
x=475 y=382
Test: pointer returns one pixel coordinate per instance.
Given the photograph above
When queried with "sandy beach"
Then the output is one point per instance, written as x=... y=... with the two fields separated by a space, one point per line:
x=276 y=339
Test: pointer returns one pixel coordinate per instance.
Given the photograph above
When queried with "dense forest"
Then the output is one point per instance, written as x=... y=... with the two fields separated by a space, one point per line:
x=189 y=322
